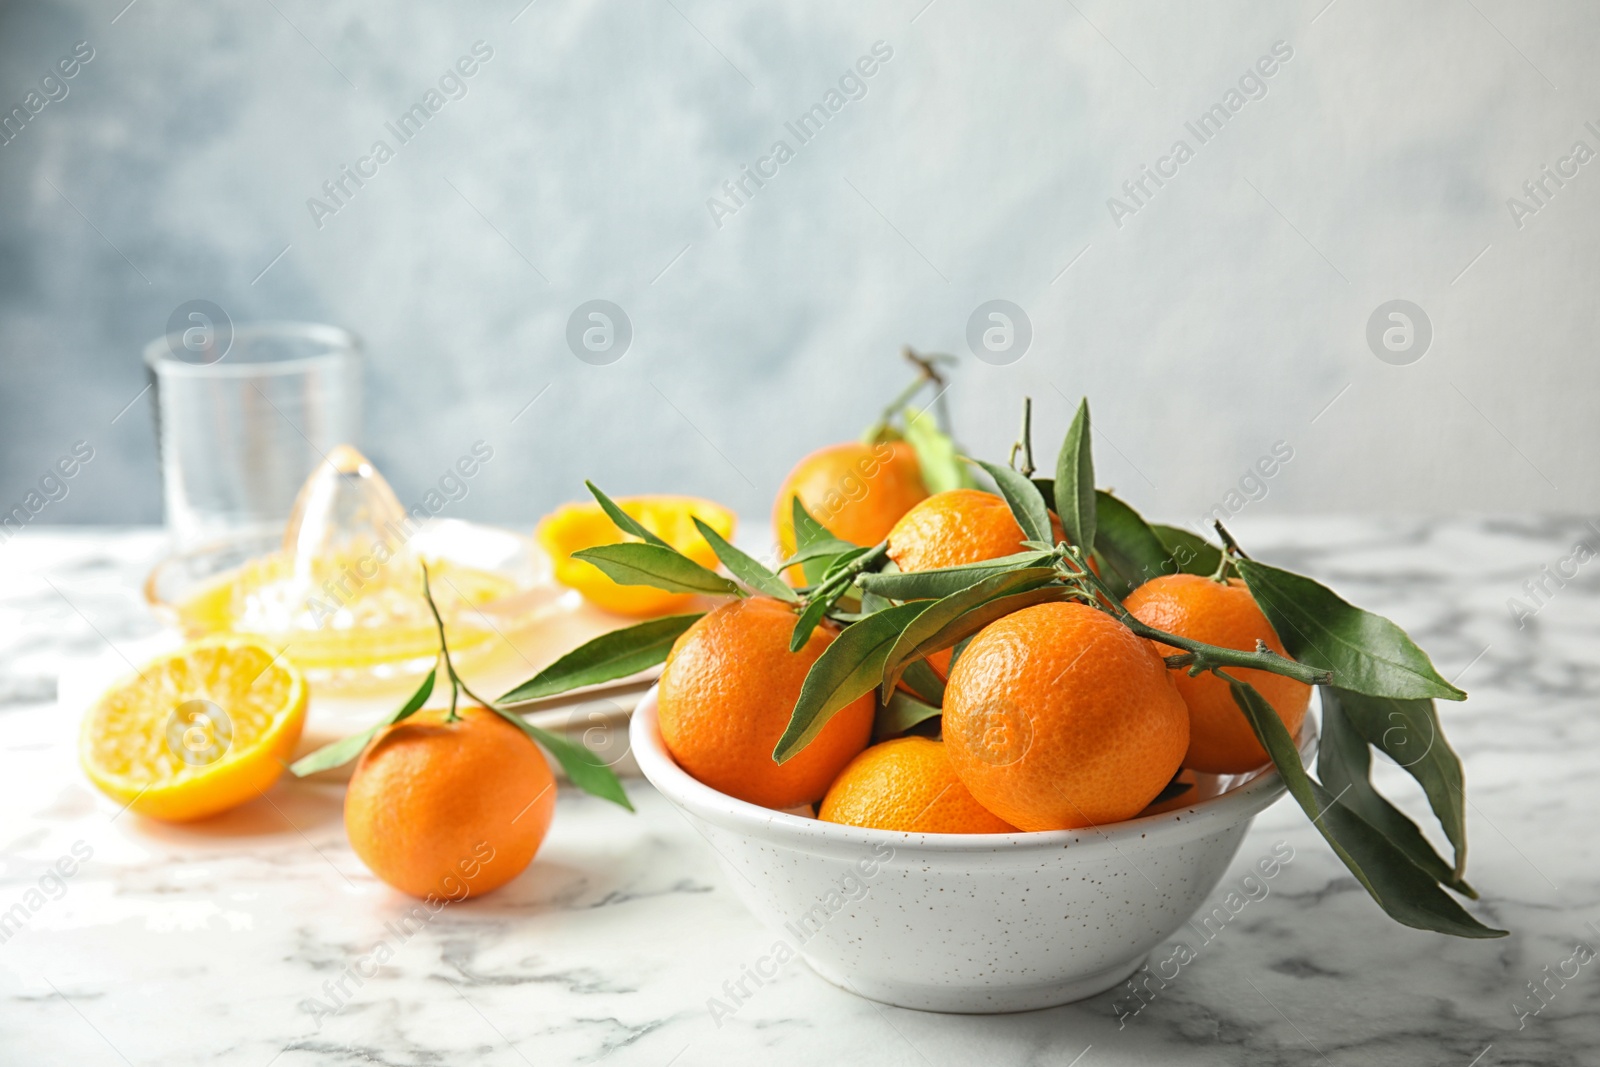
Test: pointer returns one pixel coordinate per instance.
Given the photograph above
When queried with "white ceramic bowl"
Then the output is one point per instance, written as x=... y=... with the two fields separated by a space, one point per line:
x=967 y=922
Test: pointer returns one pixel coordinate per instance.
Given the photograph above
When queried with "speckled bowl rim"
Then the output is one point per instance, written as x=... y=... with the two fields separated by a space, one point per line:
x=1214 y=815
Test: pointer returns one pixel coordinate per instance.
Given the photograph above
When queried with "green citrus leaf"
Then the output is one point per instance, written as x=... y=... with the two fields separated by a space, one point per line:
x=821 y=550
x=924 y=681
x=964 y=612
x=848 y=669
x=1399 y=886
x=901 y=713
x=1410 y=733
x=937 y=457
x=1366 y=653
x=1074 y=483
x=625 y=522
x=632 y=563
x=807 y=530
x=811 y=617
x=586 y=770
x=343 y=751
x=336 y=754
x=1022 y=496
x=610 y=656
x=933 y=584
x=1126 y=542
x=1344 y=763
x=744 y=568
x=1188 y=553
x=872 y=602
x=810 y=534
x=835 y=566
x=958 y=648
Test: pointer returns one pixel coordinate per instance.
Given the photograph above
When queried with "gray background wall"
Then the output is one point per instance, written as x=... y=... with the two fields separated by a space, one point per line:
x=1228 y=314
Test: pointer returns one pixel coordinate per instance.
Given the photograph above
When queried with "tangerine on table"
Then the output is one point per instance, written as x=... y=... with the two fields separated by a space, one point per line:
x=1058 y=716
x=449 y=809
x=726 y=693
x=957 y=527
x=856 y=491
x=1220 y=738
x=907 y=784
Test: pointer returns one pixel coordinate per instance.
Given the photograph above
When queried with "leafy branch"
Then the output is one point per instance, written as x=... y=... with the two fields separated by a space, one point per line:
x=584 y=768
x=1377 y=685
x=928 y=373
x=1197 y=656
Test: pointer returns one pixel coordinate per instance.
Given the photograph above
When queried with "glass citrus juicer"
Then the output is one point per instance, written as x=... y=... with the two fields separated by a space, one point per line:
x=341 y=594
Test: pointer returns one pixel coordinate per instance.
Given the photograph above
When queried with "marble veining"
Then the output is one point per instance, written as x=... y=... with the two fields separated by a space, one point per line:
x=259 y=939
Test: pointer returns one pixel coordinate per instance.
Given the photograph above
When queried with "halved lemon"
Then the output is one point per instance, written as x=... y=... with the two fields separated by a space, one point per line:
x=584 y=525
x=197 y=731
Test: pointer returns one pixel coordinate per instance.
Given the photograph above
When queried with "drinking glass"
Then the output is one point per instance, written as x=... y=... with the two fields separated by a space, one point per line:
x=243 y=415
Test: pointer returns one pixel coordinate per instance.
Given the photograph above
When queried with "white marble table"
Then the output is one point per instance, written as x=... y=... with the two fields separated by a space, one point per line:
x=217 y=943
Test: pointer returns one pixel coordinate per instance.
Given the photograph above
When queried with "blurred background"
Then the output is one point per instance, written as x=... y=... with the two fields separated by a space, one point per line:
x=1339 y=157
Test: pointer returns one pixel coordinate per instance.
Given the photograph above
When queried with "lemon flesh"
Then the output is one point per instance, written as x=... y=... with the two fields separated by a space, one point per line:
x=197 y=731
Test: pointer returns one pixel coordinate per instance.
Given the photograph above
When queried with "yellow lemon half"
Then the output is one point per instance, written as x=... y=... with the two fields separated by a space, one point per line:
x=572 y=527
x=197 y=731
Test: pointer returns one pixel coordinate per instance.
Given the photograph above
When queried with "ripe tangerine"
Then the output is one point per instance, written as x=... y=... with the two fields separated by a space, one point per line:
x=449 y=809
x=728 y=688
x=856 y=491
x=907 y=784
x=1220 y=738
x=1058 y=716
